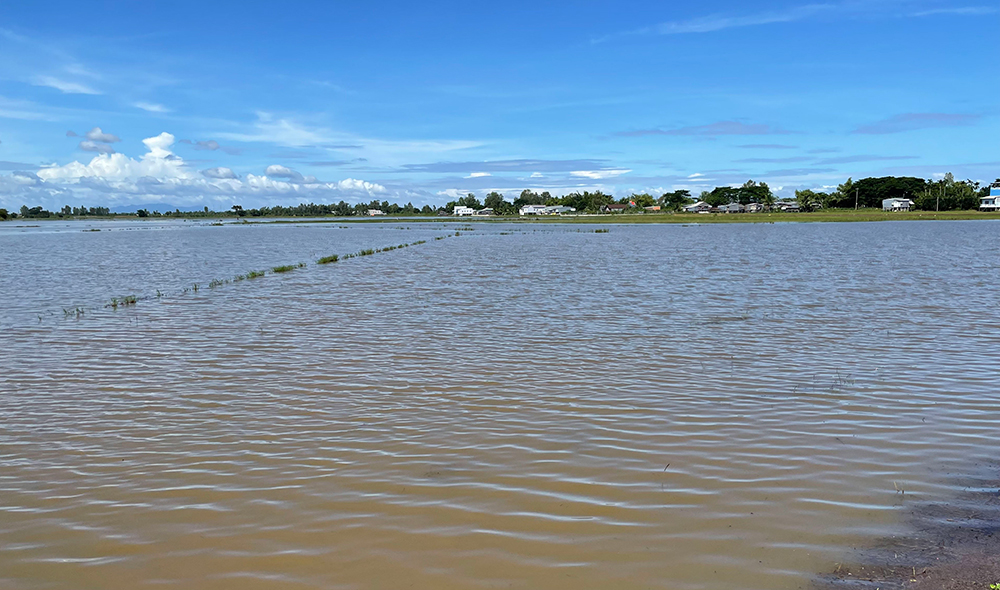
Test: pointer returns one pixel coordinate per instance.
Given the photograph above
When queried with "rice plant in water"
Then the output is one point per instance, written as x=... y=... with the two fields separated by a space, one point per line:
x=281 y=269
x=328 y=259
x=253 y=274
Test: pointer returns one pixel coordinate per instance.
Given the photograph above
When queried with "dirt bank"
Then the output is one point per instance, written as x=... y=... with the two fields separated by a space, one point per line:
x=953 y=545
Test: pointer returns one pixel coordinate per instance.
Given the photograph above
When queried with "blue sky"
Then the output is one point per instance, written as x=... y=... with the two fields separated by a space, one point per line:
x=252 y=103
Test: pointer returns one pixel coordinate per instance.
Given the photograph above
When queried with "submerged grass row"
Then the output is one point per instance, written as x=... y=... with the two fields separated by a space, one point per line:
x=337 y=257
x=131 y=300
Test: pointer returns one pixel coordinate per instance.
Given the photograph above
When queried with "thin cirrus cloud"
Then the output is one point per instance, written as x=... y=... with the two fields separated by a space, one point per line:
x=767 y=146
x=959 y=11
x=914 y=121
x=519 y=165
x=64 y=86
x=479 y=175
x=712 y=129
x=718 y=22
x=151 y=107
x=863 y=158
x=599 y=174
x=774 y=160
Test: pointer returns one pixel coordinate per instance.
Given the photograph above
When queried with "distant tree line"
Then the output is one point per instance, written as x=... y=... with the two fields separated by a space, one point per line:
x=946 y=194
x=941 y=195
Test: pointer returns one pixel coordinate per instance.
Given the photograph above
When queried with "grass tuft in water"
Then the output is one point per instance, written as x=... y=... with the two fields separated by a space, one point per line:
x=328 y=259
x=285 y=268
x=254 y=274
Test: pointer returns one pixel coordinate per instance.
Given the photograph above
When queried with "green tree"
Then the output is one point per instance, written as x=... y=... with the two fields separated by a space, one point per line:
x=470 y=200
x=142 y=213
x=673 y=201
x=755 y=192
x=642 y=200
x=721 y=195
x=499 y=204
x=4 y=216
x=238 y=209
x=809 y=200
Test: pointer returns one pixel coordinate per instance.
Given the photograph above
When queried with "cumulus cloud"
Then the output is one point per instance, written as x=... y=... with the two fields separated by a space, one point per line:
x=220 y=173
x=162 y=176
x=279 y=171
x=96 y=146
x=63 y=86
x=96 y=134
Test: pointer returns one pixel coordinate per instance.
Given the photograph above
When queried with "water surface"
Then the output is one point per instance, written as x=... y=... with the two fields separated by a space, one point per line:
x=517 y=406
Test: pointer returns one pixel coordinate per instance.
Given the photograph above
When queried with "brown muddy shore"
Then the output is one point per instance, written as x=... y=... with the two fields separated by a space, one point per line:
x=952 y=545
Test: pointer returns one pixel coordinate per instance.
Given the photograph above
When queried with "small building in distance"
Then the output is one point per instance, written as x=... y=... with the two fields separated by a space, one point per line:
x=375 y=212
x=484 y=212
x=533 y=210
x=896 y=204
x=754 y=207
x=614 y=208
x=699 y=207
x=992 y=202
x=653 y=208
x=558 y=210
x=461 y=211
x=787 y=206
x=733 y=208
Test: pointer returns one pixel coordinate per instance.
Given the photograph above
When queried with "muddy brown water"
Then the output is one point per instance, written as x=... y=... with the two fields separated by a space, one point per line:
x=655 y=407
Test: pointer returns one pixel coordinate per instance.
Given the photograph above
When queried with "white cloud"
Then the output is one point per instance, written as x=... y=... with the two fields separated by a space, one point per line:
x=151 y=107
x=220 y=173
x=537 y=175
x=599 y=174
x=161 y=176
x=479 y=175
x=63 y=86
x=279 y=171
x=96 y=146
x=696 y=175
x=291 y=133
x=452 y=193
x=96 y=134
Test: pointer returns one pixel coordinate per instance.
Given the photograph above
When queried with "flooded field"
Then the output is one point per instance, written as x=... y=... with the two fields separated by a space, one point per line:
x=516 y=406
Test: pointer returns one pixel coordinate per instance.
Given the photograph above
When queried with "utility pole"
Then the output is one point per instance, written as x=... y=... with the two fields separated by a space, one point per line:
x=855 y=199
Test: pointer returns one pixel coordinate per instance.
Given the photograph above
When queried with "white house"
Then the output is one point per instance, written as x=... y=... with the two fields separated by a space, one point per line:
x=375 y=212
x=533 y=209
x=558 y=210
x=461 y=211
x=992 y=202
x=755 y=208
x=699 y=207
x=896 y=204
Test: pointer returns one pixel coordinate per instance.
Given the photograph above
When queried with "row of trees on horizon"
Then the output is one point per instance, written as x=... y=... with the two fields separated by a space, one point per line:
x=942 y=195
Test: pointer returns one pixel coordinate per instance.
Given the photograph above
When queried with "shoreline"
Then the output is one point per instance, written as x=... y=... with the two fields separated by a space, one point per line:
x=952 y=544
x=835 y=216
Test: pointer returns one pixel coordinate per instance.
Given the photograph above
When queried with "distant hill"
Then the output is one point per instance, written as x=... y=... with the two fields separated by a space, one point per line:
x=161 y=207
